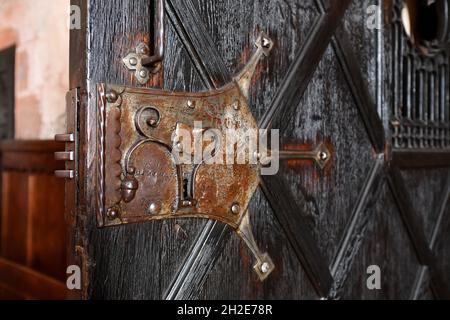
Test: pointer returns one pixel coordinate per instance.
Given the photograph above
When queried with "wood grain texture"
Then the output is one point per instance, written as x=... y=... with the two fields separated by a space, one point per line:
x=322 y=229
x=413 y=223
x=357 y=227
x=292 y=215
x=385 y=244
x=24 y=283
x=15 y=217
x=303 y=69
x=140 y=260
x=232 y=272
x=47 y=226
x=327 y=113
x=32 y=223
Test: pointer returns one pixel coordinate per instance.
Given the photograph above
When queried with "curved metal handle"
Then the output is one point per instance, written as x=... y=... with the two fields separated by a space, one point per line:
x=140 y=61
x=158 y=54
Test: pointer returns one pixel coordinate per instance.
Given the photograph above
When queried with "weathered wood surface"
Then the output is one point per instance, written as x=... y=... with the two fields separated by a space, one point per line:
x=313 y=87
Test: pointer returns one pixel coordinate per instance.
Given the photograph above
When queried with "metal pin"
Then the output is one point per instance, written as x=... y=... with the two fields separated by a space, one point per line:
x=154 y=208
x=143 y=73
x=265 y=42
x=265 y=267
x=133 y=61
x=235 y=209
x=191 y=104
x=113 y=213
x=112 y=96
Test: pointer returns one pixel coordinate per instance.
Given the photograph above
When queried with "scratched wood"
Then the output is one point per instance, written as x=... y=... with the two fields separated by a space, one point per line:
x=326 y=80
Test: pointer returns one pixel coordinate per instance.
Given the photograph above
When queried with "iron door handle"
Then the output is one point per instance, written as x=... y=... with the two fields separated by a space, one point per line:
x=140 y=61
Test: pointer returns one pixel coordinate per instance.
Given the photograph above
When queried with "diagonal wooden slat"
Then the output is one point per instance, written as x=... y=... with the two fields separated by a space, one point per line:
x=200 y=47
x=291 y=216
x=213 y=72
x=305 y=64
x=358 y=86
x=436 y=230
x=199 y=262
x=356 y=227
x=416 y=233
x=198 y=42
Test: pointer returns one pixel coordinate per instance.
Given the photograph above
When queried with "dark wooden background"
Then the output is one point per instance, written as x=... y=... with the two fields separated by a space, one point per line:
x=328 y=79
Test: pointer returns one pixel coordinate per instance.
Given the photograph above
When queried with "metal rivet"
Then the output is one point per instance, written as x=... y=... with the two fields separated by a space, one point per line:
x=143 y=50
x=265 y=267
x=152 y=122
x=113 y=213
x=191 y=104
x=143 y=73
x=179 y=146
x=154 y=208
x=265 y=42
x=236 y=105
x=112 y=96
x=131 y=170
x=133 y=61
x=323 y=155
x=187 y=203
x=235 y=209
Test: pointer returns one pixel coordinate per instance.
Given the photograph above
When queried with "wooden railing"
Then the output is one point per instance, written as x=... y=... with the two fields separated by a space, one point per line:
x=32 y=225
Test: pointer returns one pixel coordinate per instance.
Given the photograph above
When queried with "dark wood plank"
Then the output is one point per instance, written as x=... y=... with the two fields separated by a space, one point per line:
x=385 y=243
x=47 y=226
x=306 y=61
x=410 y=158
x=356 y=227
x=117 y=260
x=366 y=106
x=233 y=273
x=213 y=73
x=416 y=233
x=199 y=262
x=198 y=43
x=76 y=221
x=30 y=156
x=15 y=217
x=291 y=216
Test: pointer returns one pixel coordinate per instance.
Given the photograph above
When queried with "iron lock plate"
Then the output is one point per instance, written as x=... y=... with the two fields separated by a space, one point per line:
x=139 y=176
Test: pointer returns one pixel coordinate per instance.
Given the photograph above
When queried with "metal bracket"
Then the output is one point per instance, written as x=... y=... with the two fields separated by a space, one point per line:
x=140 y=61
x=320 y=155
x=70 y=155
x=141 y=136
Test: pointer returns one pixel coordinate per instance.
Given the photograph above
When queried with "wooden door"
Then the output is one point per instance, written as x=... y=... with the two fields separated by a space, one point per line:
x=330 y=78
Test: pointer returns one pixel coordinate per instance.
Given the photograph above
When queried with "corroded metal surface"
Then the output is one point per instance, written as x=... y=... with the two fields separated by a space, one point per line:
x=149 y=168
x=139 y=168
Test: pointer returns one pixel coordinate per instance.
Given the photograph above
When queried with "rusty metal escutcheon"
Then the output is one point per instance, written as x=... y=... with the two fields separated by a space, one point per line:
x=139 y=179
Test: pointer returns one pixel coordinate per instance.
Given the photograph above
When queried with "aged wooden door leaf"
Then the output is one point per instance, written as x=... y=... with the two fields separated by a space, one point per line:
x=332 y=81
